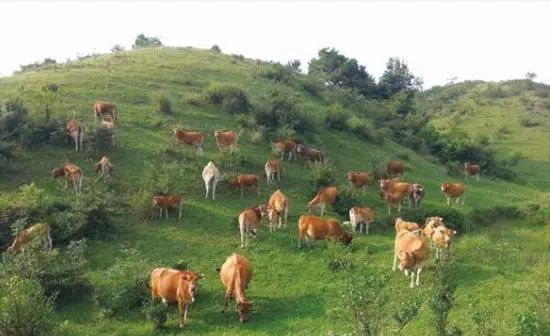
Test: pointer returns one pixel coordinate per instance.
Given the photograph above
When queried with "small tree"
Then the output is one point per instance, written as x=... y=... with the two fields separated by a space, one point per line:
x=165 y=105
x=530 y=76
x=294 y=65
x=143 y=41
x=117 y=48
x=443 y=297
x=215 y=48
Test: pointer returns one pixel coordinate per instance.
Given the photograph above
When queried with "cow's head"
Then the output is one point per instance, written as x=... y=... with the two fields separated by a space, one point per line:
x=218 y=132
x=445 y=187
x=58 y=172
x=300 y=148
x=351 y=176
x=262 y=209
x=190 y=279
x=466 y=164
x=434 y=221
x=346 y=239
x=448 y=237
x=384 y=183
x=175 y=131
x=243 y=308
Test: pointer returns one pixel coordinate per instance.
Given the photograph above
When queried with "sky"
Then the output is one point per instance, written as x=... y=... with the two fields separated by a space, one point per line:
x=439 y=40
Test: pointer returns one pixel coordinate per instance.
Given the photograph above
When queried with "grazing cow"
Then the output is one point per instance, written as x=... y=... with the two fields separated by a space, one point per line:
x=25 y=236
x=249 y=220
x=429 y=227
x=104 y=168
x=175 y=286
x=190 y=138
x=76 y=132
x=401 y=225
x=359 y=180
x=395 y=168
x=315 y=228
x=442 y=239
x=392 y=199
x=411 y=251
x=272 y=168
x=453 y=190
x=163 y=203
x=277 y=209
x=105 y=110
x=324 y=196
x=211 y=176
x=311 y=154
x=416 y=194
x=394 y=192
x=471 y=170
x=72 y=173
x=226 y=140
x=361 y=217
x=245 y=181
x=235 y=275
x=285 y=146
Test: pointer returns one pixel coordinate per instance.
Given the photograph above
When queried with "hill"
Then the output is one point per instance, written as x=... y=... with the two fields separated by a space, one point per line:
x=501 y=255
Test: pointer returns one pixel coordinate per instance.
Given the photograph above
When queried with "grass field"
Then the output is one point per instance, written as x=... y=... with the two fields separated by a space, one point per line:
x=504 y=265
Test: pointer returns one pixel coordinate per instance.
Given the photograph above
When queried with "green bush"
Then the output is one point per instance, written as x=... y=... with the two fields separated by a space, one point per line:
x=40 y=133
x=322 y=175
x=102 y=139
x=480 y=217
x=528 y=122
x=345 y=201
x=165 y=105
x=278 y=72
x=216 y=49
x=337 y=119
x=140 y=203
x=157 y=312
x=363 y=129
x=24 y=308
x=233 y=99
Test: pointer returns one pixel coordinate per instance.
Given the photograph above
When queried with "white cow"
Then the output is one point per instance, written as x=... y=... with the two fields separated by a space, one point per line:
x=211 y=176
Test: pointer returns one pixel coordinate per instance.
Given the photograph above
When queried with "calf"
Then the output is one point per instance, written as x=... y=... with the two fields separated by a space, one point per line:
x=103 y=110
x=190 y=138
x=226 y=140
x=325 y=196
x=272 y=168
x=359 y=180
x=277 y=209
x=453 y=190
x=175 y=286
x=360 y=217
x=442 y=239
x=411 y=251
x=72 y=173
x=429 y=227
x=245 y=181
x=211 y=176
x=471 y=170
x=311 y=154
x=235 y=275
x=315 y=228
x=416 y=194
x=395 y=168
x=401 y=225
x=104 y=168
x=75 y=131
x=25 y=236
x=163 y=203
x=249 y=220
x=285 y=146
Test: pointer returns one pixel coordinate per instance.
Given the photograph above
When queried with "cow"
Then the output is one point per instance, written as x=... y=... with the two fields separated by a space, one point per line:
x=249 y=220
x=429 y=227
x=395 y=168
x=285 y=146
x=211 y=176
x=311 y=154
x=416 y=194
x=471 y=170
x=226 y=140
x=453 y=190
x=175 y=286
x=103 y=110
x=361 y=217
x=104 y=168
x=70 y=172
x=39 y=230
x=163 y=203
x=411 y=251
x=190 y=138
x=401 y=225
x=235 y=275
x=316 y=228
x=359 y=180
x=394 y=192
x=325 y=196
x=277 y=209
x=442 y=239
x=245 y=181
x=392 y=199
x=272 y=168
x=75 y=131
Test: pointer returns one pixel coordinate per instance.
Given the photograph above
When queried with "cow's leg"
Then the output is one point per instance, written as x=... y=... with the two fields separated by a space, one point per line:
x=368 y=224
x=181 y=209
x=214 y=183
x=207 y=188
x=389 y=208
x=286 y=215
x=258 y=189
x=280 y=221
x=183 y=312
x=394 y=262
x=242 y=228
x=242 y=190
x=448 y=201
x=477 y=177
x=412 y=280
x=226 y=301
x=419 y=269
x=322 y=209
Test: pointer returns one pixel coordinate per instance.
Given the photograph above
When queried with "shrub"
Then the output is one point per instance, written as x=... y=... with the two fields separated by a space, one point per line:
x=196 y=99
x=528 y=122
x=528 y=324
x=12 y=118
x=257 y=137
x=157 y=312
x=140 y=203
x=452 y=217
x=443 y=299
x=338 y=257
x=6 y=151
x=480 y=217
x=336 y=119
x=535 y=213
x=277 y=72
x=165 y=105
x=40 y=133
x=102 y=139
x=216 y=49
x=25 y=310
x=345 y=201
x=233 y=99
x=311 y=85
x=362 y=128
x=322 y=175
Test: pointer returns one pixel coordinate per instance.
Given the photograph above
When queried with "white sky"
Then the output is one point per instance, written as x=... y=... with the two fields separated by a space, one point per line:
x=488 y=41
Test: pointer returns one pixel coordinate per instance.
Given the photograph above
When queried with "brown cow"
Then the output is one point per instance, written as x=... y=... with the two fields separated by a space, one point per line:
x=235 y=275
x=325 y=196
x=104 y=110
x=412 y=251
x=76 y=132
x=173 y=286
x=429 y=227
x=442 y=239
x=285 y=146
x=311 y=154
x=163 y=203
x=359 y=180
x=226 y=140
x=245 y=181
x=453 y=190
x=249 y=220
x=471 y=170
x=401 y=225
x=394 y=192
x=190 y=138
x=395 y=168
x=277 y=209
x=28 y=234
x=72 y=173
x=360 y=217
x=104 y=168
x=315 y=228
x=272 y=168
x=416 y=194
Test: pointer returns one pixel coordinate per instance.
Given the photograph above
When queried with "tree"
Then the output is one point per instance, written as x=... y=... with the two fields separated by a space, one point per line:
x=117 y=48
x=530 y=76
x=398 y=78
x=339 y=71
x=294 y=65
x=143 y=41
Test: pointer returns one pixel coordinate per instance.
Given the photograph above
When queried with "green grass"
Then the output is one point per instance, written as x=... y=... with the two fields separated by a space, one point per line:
x=294 y=291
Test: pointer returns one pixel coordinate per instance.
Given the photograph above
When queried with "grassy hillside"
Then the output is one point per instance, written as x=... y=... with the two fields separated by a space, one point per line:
x=294 y=291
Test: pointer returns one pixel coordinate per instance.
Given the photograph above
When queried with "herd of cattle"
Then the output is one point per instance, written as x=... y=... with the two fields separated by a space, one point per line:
x=412 y=243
